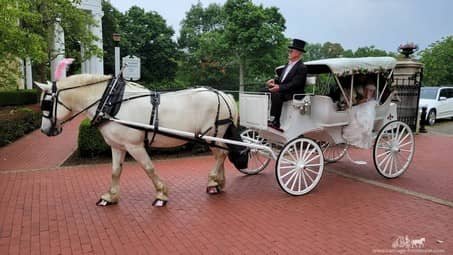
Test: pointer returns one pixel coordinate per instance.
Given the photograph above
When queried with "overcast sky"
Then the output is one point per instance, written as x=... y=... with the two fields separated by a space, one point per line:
x=352 y=23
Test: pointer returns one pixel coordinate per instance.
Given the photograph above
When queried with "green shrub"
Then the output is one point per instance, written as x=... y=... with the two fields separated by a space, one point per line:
x=19 y=97
x=90 y=141
x=16 y=123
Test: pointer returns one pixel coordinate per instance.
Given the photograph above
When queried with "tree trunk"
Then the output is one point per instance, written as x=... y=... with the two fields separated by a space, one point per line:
x=241 y=75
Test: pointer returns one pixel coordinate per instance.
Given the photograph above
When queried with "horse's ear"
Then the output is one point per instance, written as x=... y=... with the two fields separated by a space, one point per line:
x=43 y=86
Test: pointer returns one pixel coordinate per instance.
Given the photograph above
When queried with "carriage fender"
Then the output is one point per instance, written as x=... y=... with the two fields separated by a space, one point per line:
x=238 y=154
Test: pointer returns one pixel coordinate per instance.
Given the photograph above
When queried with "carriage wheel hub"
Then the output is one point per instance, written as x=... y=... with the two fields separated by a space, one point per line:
x=300 y=165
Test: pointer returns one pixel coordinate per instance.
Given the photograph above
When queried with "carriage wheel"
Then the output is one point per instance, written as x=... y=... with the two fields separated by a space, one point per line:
x=333 y=152
x=394 y=149
x=299 y=166
x=258 y=160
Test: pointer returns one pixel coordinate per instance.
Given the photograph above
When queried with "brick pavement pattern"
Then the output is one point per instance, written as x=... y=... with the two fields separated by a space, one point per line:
x=38 y=151
x=53 y=211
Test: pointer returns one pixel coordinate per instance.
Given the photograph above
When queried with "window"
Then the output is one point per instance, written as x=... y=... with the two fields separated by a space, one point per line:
x=428 y=92
x=443 y=93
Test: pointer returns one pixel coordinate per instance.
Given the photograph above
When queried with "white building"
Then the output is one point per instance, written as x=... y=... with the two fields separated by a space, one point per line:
x=94 y=65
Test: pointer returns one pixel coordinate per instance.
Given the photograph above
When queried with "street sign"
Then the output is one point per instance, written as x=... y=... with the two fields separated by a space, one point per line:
x=132 y=71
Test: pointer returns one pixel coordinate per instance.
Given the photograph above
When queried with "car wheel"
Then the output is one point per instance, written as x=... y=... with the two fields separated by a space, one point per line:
x=431 y=117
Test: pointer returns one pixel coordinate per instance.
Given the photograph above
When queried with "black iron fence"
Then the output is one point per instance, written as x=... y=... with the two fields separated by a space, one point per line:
x=408 y=90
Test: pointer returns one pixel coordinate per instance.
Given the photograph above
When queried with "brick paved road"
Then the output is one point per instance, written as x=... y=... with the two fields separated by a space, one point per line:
x=53 y=212
x=38 y=151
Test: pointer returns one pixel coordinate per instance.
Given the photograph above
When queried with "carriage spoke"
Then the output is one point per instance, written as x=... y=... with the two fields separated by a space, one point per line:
x=309 y=154
x=405 y=144
x=289 y=172
x=314 y=158
x=301 y=150
x=404 y=139
x=287 y=167
x=387 y=161
x=391 y=161
x=305 y=180
x=311 y=165
x=291 y=177
x=300 y=182
x=305 y=152
x=287 y=161
x=384 y=153
x=311 y=179
x=311 y=171
x=384 y=160
x=290 y=153
x=295 y=180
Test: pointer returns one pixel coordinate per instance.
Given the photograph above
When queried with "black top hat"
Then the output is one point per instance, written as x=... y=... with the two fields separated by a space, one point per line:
x=298 y=45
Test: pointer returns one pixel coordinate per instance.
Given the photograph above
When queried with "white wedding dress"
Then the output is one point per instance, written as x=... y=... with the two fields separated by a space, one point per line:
x=359 y=131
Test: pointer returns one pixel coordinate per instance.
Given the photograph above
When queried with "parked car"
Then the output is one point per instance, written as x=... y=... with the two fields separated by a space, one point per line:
x=439 y=103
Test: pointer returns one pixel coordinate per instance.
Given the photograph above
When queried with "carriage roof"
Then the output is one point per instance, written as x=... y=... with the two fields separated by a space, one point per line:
x=348 y=66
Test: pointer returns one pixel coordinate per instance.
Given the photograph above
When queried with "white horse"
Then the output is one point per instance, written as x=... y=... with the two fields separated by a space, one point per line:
x=191 y=110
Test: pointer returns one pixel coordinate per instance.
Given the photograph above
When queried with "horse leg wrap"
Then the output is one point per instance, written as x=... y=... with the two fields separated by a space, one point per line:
x=213 y=190
x=103 y=202
x=159 y=203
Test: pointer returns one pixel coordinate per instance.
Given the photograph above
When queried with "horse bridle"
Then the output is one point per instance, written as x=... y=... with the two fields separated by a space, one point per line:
x=51 y=100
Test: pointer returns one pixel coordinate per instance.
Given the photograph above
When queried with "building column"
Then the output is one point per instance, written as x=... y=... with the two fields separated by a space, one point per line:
x=58 y=50
x=94 y=64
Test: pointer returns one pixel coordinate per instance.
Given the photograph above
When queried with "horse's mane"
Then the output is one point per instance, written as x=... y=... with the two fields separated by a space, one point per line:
x=81 y=79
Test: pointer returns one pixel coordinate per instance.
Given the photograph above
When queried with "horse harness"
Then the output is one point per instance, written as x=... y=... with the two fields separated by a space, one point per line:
x=109 y=105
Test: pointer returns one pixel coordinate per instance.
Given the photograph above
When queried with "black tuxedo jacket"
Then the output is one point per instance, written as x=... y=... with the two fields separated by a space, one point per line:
x=294 y=82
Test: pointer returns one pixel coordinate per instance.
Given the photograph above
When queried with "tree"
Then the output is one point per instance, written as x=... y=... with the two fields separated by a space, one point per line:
x=313 y=52
x=331 y=50
x=146 y=35
x=110 y=25
x=221 y=41
x=369 y=51
x=204 y=61
x=250 y=32
x=437 y=59
x=27 y=30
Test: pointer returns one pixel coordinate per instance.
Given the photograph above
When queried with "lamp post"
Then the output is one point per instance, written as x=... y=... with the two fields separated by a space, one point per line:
x=116 y=38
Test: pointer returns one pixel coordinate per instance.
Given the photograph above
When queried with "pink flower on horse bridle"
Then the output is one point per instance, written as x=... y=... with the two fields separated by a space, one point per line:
x=61 y=67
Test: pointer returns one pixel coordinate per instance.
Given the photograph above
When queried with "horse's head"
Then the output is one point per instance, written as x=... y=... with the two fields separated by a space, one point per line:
x=53 y=110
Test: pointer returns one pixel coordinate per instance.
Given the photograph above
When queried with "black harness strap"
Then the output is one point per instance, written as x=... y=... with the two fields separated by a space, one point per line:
x=154 y=119
x=108 y=102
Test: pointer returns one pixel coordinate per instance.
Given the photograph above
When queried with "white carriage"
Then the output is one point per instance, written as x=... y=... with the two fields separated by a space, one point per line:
x=313 y=125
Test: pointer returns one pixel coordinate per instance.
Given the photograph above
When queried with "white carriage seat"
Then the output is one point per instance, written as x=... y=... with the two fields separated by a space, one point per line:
x=324 y=112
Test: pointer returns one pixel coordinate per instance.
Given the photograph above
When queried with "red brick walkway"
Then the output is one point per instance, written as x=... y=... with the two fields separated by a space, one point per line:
x=54 y=212
x=38 y=151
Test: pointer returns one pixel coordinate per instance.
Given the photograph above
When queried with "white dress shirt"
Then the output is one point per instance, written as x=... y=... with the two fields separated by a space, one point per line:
x=288 y=69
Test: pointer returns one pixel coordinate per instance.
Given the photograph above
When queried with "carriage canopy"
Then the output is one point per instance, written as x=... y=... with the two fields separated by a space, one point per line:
x=348 y=66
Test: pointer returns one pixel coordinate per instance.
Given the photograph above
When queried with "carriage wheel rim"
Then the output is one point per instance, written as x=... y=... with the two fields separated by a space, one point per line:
x=333 y=153
x=394 y=149
x=300 y=166
x=257 y=159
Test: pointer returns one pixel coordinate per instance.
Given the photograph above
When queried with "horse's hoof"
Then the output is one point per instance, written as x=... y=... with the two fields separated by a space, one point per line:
x=159 y=203
x=103 y=202
x=213 y=190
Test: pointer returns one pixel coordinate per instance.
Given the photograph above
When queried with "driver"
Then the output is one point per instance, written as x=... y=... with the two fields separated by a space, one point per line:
x=290 y=81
